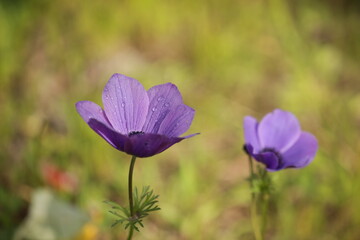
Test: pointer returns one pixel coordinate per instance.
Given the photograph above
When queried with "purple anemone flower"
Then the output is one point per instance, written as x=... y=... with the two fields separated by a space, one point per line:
x=139 y=122
x=278 y=142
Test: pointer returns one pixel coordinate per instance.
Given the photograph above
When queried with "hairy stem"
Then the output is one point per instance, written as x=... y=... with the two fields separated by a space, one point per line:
x=264 y=201
x=264 y=210
x=130 y=233
x=254 y=201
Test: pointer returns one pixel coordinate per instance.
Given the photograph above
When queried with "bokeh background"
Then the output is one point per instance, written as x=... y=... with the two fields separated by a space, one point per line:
x=229 y=59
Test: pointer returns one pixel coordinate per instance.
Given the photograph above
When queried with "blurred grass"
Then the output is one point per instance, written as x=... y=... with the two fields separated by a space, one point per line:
x=229 y=59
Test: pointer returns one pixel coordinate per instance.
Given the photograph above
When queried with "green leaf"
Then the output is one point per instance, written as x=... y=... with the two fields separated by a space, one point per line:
x=144 y=203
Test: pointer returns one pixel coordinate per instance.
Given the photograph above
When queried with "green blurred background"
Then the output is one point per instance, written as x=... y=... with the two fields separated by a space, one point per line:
x=229 y=59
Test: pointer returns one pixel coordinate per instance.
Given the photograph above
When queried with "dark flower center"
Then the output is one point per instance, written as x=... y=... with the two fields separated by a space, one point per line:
x=277 y=154
x=135 y=133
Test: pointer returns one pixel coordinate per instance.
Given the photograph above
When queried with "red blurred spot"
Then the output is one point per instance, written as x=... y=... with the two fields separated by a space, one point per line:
x=59 y=179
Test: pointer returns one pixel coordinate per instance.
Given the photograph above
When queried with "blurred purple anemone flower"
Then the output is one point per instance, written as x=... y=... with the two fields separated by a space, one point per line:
x=139 y=122
x=278 y=142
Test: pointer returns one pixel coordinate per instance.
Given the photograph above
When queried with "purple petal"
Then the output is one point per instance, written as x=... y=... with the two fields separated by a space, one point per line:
x=177 y=121
x=249 y=149
x=269 y=159
x=250 y=132
x=95 y=117
x=302 y=152
x=89 y=110
x=190 y=136
x=279 y=130
x=162 y=99
x=126 y=103
x=117 y=140
x=148 y=144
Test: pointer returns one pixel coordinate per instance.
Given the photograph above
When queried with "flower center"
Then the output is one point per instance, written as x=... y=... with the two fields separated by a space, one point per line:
x=276 y=153
x=135 y=133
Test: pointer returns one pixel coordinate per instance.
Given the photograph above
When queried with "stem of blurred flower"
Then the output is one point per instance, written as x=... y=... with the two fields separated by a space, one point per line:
x=254 y=201
x=131 y=203
x=254 y=215
x=264 y=209
x=265 y=193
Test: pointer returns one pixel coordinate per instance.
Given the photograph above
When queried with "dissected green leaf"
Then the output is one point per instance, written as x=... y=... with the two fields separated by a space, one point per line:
x=144 y=203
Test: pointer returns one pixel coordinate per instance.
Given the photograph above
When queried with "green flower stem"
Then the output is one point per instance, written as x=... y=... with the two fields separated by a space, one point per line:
x=131 y=170
x=131 y=202
x=254 y=216
x=130 y=233
x=264 y=210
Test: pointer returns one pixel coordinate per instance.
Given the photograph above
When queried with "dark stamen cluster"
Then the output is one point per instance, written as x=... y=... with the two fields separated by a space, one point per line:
x=135 y=133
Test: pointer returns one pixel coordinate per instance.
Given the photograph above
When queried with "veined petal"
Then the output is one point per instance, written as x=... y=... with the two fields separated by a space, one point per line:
x=117 y=140
x=302 y=152
x=177 y=121
x=148 y=144
x=163 y=98
x=90 y=110
x=95 y=117
x=251 y=132
x=126 y=103
x=278 y=130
